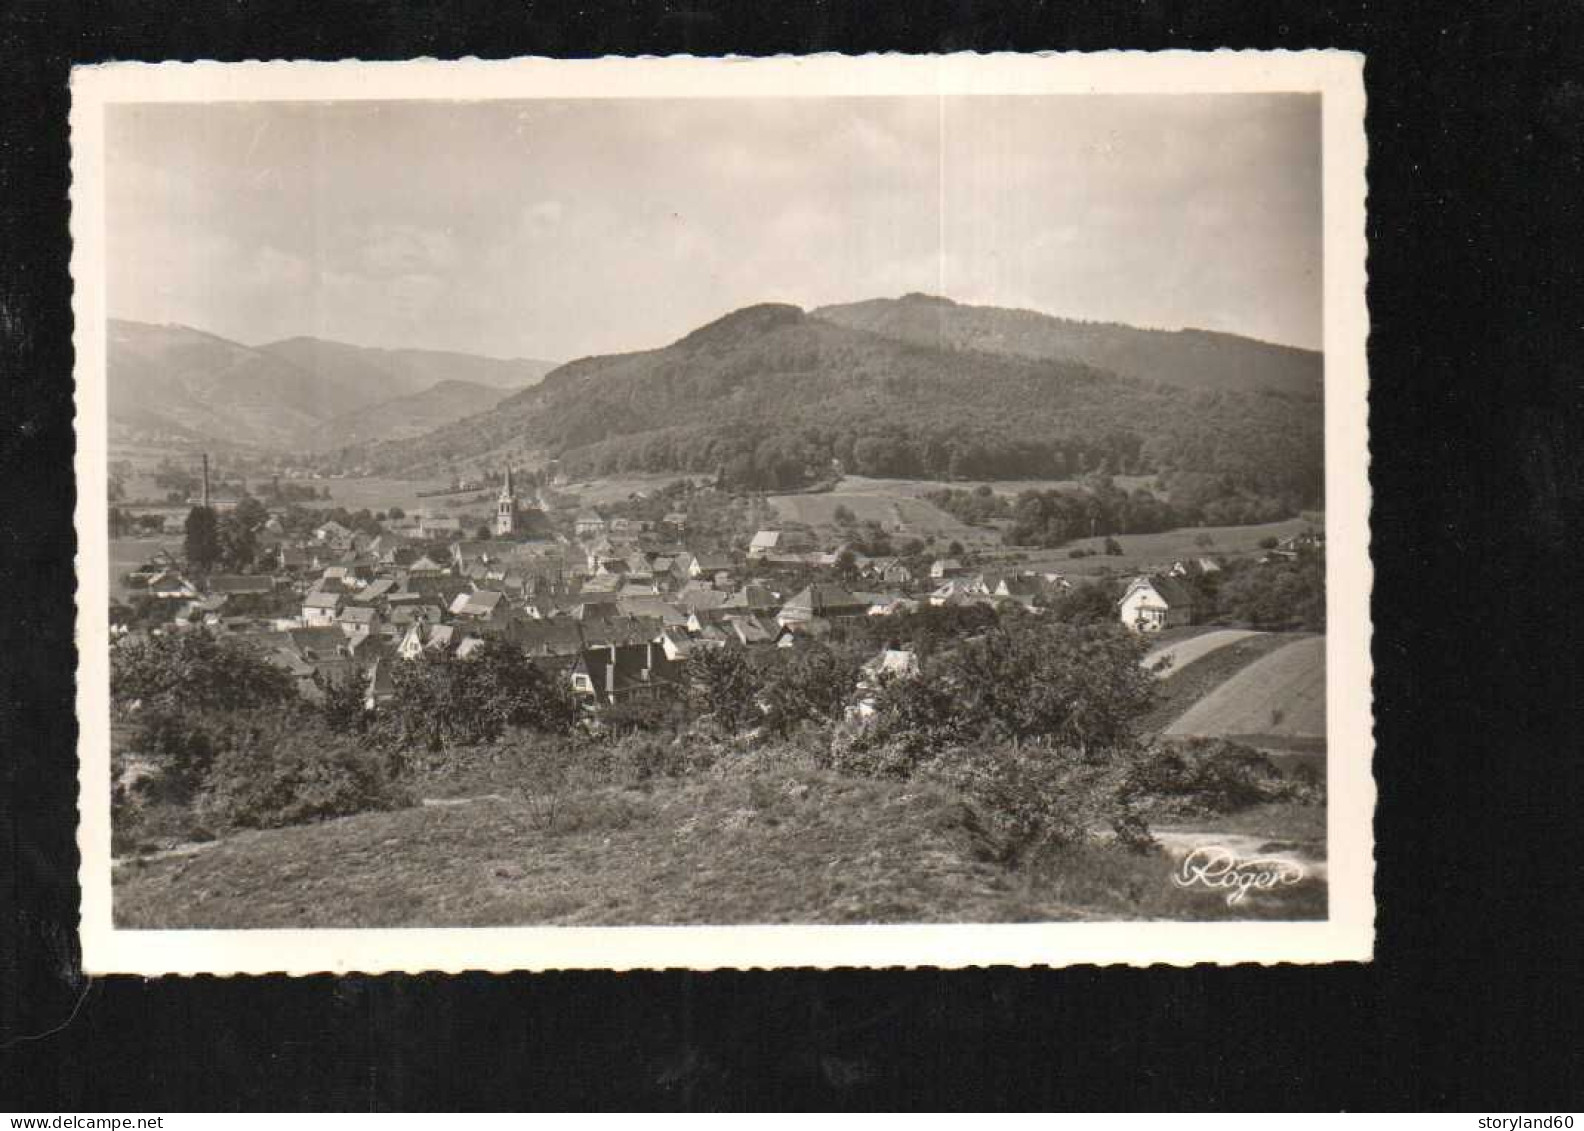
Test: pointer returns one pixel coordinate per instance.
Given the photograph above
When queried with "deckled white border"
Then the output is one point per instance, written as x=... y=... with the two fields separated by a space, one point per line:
x=1347 y=935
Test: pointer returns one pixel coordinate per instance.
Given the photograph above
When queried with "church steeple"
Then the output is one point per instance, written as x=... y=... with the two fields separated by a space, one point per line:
x=506 y=507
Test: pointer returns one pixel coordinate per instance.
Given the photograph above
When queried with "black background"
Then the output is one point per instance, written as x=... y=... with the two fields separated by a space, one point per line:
x=1476 y=130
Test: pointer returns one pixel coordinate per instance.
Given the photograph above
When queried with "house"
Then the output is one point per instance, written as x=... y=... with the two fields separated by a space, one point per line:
x=676 y=520
x=699 y=595
x=753 y=599
x=822 y=602
x=890 y=570
x=358 y=618
x=891 y=605
x=332 y=533
x=320 y=608
x=618 y=673
x=484 y=606
x=375 y=591
x=956 y=591
x=439 y=526
x=709 y=565
x=768 y=542
x=588 y=524
x=425 y=566
x=294 y=559
x=749 y=630
x=1153 y=603
x=168 y=585
x=942 y=568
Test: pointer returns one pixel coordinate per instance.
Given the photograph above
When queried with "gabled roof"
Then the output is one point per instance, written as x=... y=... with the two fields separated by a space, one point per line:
x=820 y=598
x=547 y=637
x=317 y=643
x=621 y=631
x=238 y=583
x=667 y=612
x=752 y=597
x=712 y=563
x=479 y=604
x=359 y=614
x=375 y=590
x=1172 y=591
x=320 y=599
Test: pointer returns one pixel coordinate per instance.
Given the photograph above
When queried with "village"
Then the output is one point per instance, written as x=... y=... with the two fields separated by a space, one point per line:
x=614 y=606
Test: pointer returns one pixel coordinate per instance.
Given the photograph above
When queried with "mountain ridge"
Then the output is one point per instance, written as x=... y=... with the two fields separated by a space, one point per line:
x=772 y=397
x=174 y=382
x=1190 y=357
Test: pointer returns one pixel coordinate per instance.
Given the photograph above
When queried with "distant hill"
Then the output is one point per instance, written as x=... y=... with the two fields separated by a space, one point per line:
x=172 y=382
x=183 y=383
x=1193 y=359
x=401 y=371
x=404 y=417
x=769 y=396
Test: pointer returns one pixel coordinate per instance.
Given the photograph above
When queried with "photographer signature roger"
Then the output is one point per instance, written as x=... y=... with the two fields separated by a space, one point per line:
x=1219 y=869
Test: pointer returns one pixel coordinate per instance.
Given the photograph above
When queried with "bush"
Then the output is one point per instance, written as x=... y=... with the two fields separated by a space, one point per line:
x=1210 y=777
x=194 y=670
x=291 y=771
x=1033 y=798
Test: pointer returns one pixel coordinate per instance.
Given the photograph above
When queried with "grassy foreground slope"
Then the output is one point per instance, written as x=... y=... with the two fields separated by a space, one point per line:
x=779 y=847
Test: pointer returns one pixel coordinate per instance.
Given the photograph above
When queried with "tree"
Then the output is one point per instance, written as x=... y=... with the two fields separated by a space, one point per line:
x=843 y=515
x=202 y=540
x=238 y=532
x=846 y=564
x=396 y=514
x=1113 y=548
x=1203 y=541
x=194 y=671
x=443 y=701
x=807 y=684
x=724 y=685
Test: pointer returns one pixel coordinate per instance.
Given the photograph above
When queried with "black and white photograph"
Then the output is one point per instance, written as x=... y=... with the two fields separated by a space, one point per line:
x=765 y=499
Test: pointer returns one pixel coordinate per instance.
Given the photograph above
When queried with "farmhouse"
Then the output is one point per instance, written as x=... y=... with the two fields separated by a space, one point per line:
x=588 y=524
x=319 y=608
x=768 y=542
x=1153 y=603
x=822 y=601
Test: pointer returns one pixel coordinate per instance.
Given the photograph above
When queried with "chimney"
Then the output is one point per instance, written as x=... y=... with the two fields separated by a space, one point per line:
x=206 y=480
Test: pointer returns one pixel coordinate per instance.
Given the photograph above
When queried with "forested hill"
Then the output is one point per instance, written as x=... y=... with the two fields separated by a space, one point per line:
x=1194 y=359
x=770 y=396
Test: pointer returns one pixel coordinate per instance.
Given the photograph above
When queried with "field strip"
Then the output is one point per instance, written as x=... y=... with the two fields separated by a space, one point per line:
x=1282 y=693
x=1185 y=652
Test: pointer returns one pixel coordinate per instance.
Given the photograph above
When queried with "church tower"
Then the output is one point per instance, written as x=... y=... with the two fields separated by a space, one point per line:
x=506 y=508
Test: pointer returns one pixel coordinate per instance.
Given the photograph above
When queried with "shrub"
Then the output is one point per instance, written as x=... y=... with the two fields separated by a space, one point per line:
x=291 y=771
x=1211 y=776
x=194 y=670
x=1033 y=798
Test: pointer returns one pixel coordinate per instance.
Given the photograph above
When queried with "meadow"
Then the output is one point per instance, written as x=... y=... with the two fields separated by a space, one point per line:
x=784 y=845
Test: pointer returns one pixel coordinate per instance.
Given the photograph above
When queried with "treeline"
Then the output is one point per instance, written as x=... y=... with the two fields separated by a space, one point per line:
x=1098 y=508
x=783 y=402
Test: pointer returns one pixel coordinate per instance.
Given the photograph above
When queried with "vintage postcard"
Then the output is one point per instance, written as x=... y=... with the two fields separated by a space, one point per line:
x=888 y=511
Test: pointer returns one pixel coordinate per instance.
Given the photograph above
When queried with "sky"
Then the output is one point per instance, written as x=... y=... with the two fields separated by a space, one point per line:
x=558 y=229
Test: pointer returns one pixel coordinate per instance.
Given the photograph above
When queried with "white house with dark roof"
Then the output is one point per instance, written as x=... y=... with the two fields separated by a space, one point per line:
x=1153 y=603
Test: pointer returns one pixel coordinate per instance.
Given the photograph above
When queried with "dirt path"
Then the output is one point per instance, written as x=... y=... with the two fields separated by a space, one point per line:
x=1184 y=652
